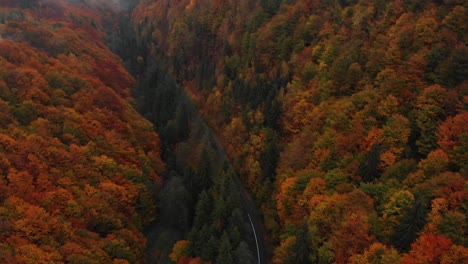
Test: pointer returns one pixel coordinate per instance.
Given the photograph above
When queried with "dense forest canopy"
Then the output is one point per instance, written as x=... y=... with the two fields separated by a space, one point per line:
x=345 y=119
x=78 y=164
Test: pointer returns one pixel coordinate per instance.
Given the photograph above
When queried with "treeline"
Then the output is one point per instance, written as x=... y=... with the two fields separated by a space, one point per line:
x=347 y=119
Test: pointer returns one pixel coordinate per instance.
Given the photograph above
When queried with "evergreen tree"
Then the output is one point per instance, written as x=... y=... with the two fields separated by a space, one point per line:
x=243 y=255
x=300 y=249
x=181 y=122
x=270 y=156
x=368 y=169
x=225 y=251
x=210 y=249
x=202 y=212
x=414 y=220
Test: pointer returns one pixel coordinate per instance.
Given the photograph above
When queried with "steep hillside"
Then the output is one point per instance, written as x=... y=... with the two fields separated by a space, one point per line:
x=346 y=119
x=78 y=164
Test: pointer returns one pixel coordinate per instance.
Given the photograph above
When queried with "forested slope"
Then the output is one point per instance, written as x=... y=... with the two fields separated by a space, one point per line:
x=346 y=119
x=79 y=166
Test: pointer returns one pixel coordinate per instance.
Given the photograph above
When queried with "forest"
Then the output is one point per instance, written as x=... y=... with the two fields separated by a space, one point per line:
x=79 y=166
x=167 y=131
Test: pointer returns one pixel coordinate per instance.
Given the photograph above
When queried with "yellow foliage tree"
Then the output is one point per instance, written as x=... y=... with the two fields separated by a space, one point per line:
x=178 y=251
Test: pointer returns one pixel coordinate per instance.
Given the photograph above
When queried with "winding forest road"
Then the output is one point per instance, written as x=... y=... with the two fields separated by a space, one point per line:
x=258 y=231
x=255 y=221
x=256 y=240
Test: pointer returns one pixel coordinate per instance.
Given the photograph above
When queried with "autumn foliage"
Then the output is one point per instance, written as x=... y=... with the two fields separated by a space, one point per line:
x=346 y=119
x=76 y=159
